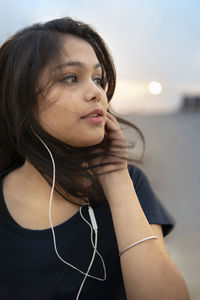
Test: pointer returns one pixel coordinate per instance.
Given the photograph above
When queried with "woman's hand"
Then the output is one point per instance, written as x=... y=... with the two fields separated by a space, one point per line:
x=117 y=138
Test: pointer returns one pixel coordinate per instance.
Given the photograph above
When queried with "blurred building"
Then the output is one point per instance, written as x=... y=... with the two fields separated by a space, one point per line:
x=191 y=103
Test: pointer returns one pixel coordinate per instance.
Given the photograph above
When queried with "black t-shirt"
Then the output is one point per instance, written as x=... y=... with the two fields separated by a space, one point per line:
x=30 y=268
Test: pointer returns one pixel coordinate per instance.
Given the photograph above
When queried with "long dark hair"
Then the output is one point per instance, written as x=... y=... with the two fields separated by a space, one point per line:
x=22 y=58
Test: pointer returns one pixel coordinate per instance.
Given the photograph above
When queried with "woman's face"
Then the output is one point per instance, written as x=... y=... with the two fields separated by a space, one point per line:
x=75 y=94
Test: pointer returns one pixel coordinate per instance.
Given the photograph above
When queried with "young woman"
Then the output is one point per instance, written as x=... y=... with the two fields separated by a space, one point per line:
x=76 y=220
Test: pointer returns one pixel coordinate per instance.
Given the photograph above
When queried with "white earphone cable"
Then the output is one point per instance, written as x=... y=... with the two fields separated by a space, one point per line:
x=53 y=232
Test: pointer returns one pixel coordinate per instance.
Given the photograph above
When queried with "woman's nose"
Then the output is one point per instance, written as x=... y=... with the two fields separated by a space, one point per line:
x=92 y=91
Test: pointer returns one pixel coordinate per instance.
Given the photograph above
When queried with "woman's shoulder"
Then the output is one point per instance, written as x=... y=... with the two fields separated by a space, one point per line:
x=137 y=175
x=155 y=211
x=9 y=169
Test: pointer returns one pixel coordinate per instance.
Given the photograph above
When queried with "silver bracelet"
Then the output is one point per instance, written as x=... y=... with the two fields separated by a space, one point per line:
x=138 y=242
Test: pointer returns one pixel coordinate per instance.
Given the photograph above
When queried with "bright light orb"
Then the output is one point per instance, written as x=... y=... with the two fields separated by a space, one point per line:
x=154 y=87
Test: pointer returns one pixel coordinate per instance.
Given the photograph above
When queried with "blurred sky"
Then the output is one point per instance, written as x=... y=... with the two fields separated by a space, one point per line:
x=149 y=40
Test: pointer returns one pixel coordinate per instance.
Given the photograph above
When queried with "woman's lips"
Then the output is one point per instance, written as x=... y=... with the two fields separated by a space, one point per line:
x=98 y=119
x=98 y=112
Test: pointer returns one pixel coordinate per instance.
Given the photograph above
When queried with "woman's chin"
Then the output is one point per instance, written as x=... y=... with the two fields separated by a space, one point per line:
x=92 y=142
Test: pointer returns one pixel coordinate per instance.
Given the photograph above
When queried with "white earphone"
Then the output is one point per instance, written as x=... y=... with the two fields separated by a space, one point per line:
x=93 y=227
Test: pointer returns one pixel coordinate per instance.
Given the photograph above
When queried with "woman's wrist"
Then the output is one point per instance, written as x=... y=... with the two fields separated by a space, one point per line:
x=114 y=181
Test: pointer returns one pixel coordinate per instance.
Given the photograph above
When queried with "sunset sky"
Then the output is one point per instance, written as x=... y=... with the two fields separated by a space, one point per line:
x=150 y=41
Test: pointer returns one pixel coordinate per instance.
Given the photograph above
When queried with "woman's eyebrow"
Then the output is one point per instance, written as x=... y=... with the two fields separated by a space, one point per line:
x=76 y=64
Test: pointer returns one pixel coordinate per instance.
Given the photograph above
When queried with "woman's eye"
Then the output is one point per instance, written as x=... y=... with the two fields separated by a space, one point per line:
x=69 y=79
x=98 y=81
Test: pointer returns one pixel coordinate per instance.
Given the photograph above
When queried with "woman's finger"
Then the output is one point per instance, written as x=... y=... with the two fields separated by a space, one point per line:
x=113 y=119
x=111 y=125
x=110 y=116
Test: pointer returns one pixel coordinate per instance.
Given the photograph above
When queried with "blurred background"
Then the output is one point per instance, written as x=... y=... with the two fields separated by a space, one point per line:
x=156 y=49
